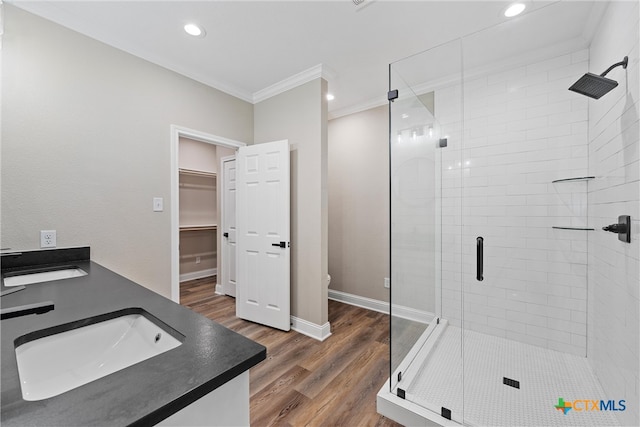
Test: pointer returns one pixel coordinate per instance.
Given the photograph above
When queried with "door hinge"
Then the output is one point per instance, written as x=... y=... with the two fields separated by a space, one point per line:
x=392 y=94
x=401 y=393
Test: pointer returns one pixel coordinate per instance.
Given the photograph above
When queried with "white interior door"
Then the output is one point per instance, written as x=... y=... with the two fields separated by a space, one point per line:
x=229 y=230
x=263 y=293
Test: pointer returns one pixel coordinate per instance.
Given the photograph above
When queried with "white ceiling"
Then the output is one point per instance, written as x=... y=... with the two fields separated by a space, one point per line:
x=251 y=46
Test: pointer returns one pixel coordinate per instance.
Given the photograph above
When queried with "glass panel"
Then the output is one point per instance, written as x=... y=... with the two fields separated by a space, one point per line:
x=424 y=131
x=412 y=192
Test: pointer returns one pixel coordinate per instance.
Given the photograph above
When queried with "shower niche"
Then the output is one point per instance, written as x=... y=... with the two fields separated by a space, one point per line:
x=497 y=245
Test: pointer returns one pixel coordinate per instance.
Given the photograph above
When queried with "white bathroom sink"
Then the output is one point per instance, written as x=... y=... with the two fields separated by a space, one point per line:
x=58 y=363
x=43 y=276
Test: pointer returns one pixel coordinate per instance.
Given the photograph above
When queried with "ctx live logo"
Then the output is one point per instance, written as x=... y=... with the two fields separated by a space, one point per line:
x=590 y=405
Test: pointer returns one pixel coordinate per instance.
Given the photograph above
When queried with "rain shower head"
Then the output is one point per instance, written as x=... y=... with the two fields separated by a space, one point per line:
x=595 y=86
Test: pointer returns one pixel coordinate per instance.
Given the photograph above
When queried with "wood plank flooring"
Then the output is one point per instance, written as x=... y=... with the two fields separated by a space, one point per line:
x=304 y=382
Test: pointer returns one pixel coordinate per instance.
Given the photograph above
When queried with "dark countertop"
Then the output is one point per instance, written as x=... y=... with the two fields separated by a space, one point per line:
x=142 y=394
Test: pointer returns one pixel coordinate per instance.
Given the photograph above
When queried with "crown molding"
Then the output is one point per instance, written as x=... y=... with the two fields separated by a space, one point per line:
x=363 y=106
x=207 y=81
x=318 y=71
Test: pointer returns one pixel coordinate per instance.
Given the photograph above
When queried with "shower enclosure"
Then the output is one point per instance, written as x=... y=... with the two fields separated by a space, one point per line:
x=510 y=305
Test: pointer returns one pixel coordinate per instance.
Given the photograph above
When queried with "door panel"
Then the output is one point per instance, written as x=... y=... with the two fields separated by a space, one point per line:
x=263 y=293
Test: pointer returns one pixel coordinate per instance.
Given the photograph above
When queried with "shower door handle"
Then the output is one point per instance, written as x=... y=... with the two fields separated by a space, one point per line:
x=479 y=258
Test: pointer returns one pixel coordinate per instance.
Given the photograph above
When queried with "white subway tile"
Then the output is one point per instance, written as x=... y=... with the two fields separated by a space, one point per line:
x=566 y=348
x=570 y=117
x=507 y=75
x=550 y=64
x=580 y=56
x=570 y=71
x=550 y=109
x=523 y=129
x=549 y=132
x=533 y=85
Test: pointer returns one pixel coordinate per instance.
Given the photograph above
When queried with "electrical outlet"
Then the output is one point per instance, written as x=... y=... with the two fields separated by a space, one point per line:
x=47 y=238
x=387 y=282
x=197 y=260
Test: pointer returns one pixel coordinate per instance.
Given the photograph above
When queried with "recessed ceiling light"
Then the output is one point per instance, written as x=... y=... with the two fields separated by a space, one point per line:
x=330 y=97
x=194 y=30
x=514 y=9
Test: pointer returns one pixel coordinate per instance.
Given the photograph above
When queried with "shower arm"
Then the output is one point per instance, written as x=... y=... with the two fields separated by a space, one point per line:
x=624 y=63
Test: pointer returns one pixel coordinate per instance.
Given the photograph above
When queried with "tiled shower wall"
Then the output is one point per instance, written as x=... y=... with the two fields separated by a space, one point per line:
x=522 y=130
x=614 y=266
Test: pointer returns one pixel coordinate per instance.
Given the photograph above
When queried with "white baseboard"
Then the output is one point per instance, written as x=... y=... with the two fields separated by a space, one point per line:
x=413 y=314
x=198 y=274
x=358 y=301
x=219 y=289
x=404 y=312
x=318 y=332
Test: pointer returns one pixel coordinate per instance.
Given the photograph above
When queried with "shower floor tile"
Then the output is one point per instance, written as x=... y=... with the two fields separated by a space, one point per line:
x=544 y=376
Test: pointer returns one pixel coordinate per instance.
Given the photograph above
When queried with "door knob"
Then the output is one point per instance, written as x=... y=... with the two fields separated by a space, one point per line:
x=283 y=245
x=225 y=234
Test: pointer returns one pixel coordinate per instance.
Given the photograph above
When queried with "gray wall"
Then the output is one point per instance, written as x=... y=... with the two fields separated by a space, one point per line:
x=359 y=203
x=300 y=115
x=86 y=144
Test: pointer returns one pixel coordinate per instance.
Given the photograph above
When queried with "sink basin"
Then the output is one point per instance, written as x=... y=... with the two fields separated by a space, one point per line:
x=39 y=276
x=59 y=359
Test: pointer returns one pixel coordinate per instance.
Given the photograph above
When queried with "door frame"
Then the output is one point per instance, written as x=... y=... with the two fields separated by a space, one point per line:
x=223 y=226
x=176 y=133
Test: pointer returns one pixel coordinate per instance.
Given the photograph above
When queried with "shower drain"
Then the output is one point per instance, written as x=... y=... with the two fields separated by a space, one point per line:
x=510 y=382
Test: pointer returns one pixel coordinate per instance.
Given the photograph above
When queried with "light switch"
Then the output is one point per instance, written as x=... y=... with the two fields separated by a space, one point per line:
x=158 y=204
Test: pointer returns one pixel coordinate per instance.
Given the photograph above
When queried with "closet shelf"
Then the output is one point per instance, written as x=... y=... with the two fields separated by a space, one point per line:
x=573 y=228
x=197 y=186
x=198 y=227
x=196 y=173
x=579 y=178
x=199 y=254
